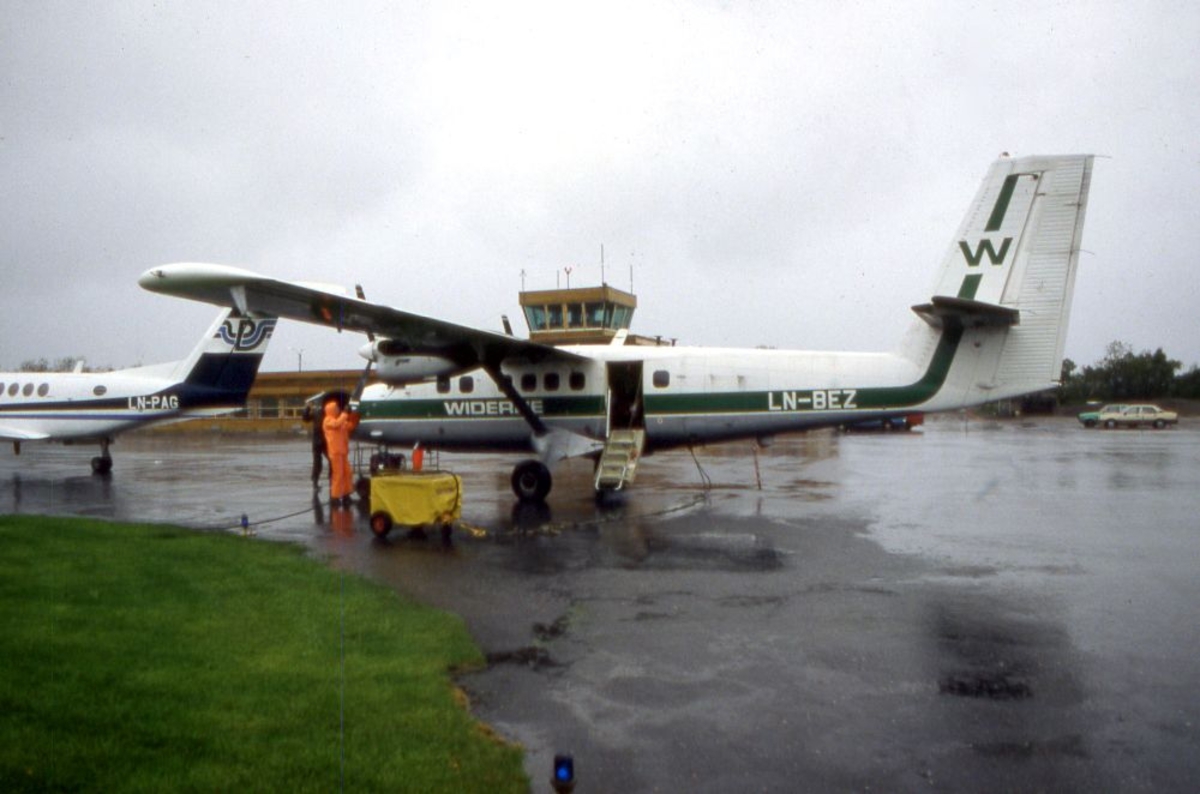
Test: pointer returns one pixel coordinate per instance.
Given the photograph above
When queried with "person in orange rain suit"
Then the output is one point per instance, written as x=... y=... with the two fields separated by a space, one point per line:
x=338 y=425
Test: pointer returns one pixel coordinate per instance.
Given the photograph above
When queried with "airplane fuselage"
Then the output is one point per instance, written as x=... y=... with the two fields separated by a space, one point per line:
x=678 y=395
x=69 y=406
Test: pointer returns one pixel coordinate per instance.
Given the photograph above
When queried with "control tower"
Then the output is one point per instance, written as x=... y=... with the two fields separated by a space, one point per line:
x=580 y=315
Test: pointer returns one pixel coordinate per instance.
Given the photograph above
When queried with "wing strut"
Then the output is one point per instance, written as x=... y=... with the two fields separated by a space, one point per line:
x=505 y=385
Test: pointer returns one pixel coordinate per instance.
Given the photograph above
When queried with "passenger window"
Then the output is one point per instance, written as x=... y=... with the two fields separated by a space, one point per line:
x=662 y=379
x=466 y=384
x=100 y=391
x=12 y=389
x=43 y=390
x=28 y=390
x=1 y=388
x=443 y=385
x=577 y=381
x=528 y=381
x=551 y=381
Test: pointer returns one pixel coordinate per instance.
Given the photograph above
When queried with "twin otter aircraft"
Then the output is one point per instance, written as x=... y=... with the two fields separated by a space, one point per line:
x=994 y=328
x=93 y=407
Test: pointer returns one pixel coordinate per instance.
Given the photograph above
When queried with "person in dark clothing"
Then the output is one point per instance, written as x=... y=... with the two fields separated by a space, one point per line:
x=314 y=416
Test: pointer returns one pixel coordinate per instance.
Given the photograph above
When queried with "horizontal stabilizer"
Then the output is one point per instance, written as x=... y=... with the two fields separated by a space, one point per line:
x=945 y=312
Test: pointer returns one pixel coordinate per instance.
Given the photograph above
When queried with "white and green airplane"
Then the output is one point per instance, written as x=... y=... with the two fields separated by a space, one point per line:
x=993 y=328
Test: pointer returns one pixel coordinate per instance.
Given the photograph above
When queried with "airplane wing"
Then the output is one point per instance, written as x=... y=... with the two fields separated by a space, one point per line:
x=330 y=306
x=15 y=434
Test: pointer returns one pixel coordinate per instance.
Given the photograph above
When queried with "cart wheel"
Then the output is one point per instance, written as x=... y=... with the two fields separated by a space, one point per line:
x=381 y=524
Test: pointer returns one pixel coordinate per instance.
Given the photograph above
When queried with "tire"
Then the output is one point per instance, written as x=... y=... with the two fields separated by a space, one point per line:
x=101 y=465
x=381 y=524
x=1159 y=424
x=1110 y=424
x=1090 y=423
x=531 y=481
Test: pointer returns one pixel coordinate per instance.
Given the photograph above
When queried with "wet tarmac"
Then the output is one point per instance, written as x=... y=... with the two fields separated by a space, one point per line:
x=984 y=606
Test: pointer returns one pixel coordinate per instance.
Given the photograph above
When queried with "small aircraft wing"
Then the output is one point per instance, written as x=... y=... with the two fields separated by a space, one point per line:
x=330 y=306
x=16 y=434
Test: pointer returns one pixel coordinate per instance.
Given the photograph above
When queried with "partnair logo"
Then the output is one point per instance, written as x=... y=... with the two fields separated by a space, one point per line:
x=486 y=407
x=985 y=247
x=154 y=402
x=242 y=333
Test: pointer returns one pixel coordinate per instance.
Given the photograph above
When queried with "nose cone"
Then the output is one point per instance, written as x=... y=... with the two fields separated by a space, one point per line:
x=367 y=351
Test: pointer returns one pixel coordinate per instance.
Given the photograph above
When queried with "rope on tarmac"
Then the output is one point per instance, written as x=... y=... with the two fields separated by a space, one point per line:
x=247 y=527
x=704 y=478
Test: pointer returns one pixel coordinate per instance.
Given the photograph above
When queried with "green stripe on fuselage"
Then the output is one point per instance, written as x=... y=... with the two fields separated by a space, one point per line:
x=739 y=402
x=462 y=407
x=872 y=398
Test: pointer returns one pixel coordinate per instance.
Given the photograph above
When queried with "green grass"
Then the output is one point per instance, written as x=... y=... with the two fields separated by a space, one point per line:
x=151 y=658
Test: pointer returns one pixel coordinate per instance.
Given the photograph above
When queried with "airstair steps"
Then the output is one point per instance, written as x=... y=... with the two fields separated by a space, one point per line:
x=618 y=461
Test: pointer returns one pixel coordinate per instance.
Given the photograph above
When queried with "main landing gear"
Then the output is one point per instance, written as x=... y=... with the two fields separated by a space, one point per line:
x=531 y=481
x=102 y=464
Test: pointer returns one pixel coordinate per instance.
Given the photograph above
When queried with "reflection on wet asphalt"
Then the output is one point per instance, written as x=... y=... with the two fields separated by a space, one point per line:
x=983 y=606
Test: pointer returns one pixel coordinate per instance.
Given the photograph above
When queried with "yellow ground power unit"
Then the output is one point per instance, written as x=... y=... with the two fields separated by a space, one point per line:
x=415 y=499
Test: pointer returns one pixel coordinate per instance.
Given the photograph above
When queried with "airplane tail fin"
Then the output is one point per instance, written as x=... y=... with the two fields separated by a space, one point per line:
x=1005 y=285
x=222 y=367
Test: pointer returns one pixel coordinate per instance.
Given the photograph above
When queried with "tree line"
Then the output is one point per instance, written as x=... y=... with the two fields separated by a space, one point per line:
x=65 y=364
x=1123 y=375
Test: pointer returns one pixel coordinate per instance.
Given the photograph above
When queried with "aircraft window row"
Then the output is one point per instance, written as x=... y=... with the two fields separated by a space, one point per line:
x=550 y=381
x=26 y=390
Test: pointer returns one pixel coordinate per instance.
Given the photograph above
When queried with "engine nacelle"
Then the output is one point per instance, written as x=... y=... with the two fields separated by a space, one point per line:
x=397 y=367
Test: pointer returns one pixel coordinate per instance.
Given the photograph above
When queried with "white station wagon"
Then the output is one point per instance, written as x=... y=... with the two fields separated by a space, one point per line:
x=1138 y=415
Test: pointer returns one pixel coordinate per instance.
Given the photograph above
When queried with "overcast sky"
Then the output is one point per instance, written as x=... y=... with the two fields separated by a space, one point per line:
x=784 y=174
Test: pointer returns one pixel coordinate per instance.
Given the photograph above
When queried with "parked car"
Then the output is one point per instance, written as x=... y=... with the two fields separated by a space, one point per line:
x=1138 y=415
x=907 y=422
x=1092 y=418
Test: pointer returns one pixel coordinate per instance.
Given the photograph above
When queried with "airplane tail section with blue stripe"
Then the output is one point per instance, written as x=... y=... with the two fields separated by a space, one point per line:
x=225 y=363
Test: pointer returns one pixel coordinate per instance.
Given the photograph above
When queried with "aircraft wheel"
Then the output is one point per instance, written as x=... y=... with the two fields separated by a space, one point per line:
x=531 y=481
x=101 y=465
x=381 y=524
